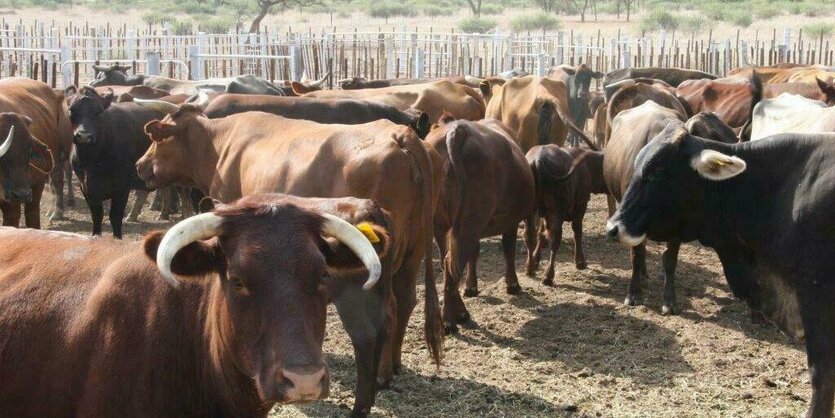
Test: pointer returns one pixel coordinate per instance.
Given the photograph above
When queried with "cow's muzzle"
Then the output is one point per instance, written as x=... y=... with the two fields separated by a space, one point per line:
x=302 y=385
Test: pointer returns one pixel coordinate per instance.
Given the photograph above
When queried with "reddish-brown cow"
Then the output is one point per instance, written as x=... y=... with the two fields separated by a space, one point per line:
x=732 y=98
x=487 y=190
x=18 y=151
x=223 y=315
x=254 y=152
x=822 y=90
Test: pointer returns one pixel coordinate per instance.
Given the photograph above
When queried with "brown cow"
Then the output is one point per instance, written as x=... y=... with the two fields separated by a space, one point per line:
x=333 y=111
x=51 y=126
x=535 y=109
x=254 y=152
x=634 y=94
x=778 y=73
x=18 y=151
x=128 y=93
x=223 y=315
x=732 y=98
x=822 y=90
x=432 y=98
x=488 y=189
x=811 y=75
x=565 y=179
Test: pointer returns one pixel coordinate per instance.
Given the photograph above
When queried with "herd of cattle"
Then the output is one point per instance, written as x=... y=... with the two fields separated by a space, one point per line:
x=309 y=196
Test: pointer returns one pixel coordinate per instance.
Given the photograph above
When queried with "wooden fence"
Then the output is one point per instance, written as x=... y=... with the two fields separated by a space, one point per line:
x=62 y=55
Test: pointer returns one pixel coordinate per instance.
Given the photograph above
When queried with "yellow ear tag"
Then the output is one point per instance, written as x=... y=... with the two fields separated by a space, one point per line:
x=369 y=233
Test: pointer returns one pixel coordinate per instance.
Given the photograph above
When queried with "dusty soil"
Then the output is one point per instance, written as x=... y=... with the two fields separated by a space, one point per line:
x=575 y=349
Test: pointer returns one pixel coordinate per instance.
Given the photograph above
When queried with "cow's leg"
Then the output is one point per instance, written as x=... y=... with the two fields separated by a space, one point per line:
x=471 y=282
x=554 y=226
x=117 y=212
x=350 y=305
x=387 y=323
x=70 y=191
x=611 y=203
x=532 y=245
x=56 y=182
x=186 y=208
x=635 y=293
x=669 y=262
x=11 y=213
x=579 y=256
x=136 y=210
x=818 y=315
x=165 y=203
x=97 y=213
x=509 y=249
x=459 y=251
x=32 y=209
x=156 y=203
x=403 y=284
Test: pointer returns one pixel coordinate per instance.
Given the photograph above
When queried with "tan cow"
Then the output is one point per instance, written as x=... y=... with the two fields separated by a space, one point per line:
x=254 y=152
x=535 y=109
x=51 y=126
x=432 y=98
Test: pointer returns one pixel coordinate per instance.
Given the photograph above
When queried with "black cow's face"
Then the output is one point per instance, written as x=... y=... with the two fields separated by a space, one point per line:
x=581 y=82
x=85 y=110
x=113 y=76
x=665 y=196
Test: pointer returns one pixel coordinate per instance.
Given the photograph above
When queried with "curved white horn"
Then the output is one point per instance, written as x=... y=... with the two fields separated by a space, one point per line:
x=7 y=143
x=320 y=82
x=158 y=105
x=354 y=239
x=199 y=227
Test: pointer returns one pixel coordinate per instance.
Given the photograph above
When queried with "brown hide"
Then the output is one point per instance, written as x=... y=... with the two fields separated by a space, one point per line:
x=432 y=98
x=634 y=95
x=487 y=190
x=730 y=98
x=823 y=91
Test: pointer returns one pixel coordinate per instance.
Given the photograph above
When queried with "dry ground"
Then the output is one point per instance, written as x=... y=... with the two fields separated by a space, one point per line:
x=575 y=349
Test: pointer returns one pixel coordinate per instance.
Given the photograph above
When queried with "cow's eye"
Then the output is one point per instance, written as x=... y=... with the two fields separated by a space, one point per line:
x=236 y=282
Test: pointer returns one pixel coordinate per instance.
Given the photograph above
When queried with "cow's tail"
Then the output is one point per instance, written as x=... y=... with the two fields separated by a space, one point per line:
x=433 y=325
x=456 y=138
x=570 y=124
x=756 y=84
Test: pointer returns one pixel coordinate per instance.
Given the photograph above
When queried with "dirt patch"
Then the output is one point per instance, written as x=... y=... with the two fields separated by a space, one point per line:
x=575 y=349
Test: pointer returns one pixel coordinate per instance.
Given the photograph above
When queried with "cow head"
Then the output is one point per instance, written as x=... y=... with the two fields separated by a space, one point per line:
x=708 y=125
x=420 y=122
x=352 y=83
x=115 y=75
x=665 y=197
x=168 y=158
x=85 y=110
x=580 y=82
x=828 y=90
x=270 y=262
x=19 y=151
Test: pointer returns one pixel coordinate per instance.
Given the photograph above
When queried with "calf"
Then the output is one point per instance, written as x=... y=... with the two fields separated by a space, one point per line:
x=565 y=178
x=221 y=316
x=488 y=189
x=767 y=208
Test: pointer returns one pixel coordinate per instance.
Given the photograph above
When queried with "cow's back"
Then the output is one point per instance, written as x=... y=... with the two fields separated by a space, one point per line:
x=38 y=101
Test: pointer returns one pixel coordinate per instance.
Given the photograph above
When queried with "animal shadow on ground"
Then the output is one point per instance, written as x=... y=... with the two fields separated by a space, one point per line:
x=453 y=397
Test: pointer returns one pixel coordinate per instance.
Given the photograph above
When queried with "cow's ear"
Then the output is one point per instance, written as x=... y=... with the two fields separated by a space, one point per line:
x=41 y=157
x=422 y=125
x=486 y=90
x=199 y=257
x=107 y=98
x=828 y=89
x=158 y=130
x=713 y=165
x=27 y=120
x=341 y=258
x=299 y=88
x=69 y=91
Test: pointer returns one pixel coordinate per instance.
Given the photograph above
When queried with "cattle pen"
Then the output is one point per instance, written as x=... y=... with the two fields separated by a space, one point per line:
x=61 y=55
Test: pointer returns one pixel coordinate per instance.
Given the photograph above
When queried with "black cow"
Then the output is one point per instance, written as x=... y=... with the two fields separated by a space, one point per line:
x=109 y=139
x=578 y=81
x=767 y=208
x=671 y=76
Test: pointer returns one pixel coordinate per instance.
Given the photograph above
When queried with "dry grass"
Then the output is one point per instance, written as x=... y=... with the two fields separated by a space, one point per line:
x=575 y=350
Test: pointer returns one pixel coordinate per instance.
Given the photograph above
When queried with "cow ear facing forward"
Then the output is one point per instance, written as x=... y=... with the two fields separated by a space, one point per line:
x=197 y=258
x=41 y=157
x=158 y=130
x=341 y=258
x=713 y=165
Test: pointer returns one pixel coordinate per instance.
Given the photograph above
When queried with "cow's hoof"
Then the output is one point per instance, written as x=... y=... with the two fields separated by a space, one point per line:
x=582 y=265
x=514 y=289
x=358 y=413
x=383 y=384
x=549 y=281
x=58 y=215
x=450 y=329
x=470 y=292
x=668 y=309
x=633 y=300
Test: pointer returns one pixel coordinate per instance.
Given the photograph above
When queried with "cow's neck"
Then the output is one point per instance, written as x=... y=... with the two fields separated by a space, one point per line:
x=208 y=141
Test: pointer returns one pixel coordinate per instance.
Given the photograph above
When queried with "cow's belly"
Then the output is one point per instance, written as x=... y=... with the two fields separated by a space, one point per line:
x=779 y=301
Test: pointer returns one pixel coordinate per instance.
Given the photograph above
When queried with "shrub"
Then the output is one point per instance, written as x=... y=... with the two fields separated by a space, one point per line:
x=476 y=25
x=659 y=19
x=390 y=9
x=182 y=27
x=342 y=14
x=156 y=17
x=491 y=9
x=818 y=29
x=696 y=24
x=767 y=11
x=741 y=18
x=217 y=24
x=433 y=10
x=540 y=21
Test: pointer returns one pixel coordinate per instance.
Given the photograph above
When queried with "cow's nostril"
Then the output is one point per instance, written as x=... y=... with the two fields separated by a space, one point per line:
x=612 y=232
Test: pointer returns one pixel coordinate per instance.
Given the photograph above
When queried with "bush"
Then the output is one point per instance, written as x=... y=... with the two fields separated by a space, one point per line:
x=433 y=10
x=491 y=9
x=696 y=24
x=156 y=17
x=476 y=25
x=391 y=9
x=182 y=27
x=540 y=21
x=741 y=18
x=659 y=19
x=217 y=24
x=767 y=11
x=816 y=30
